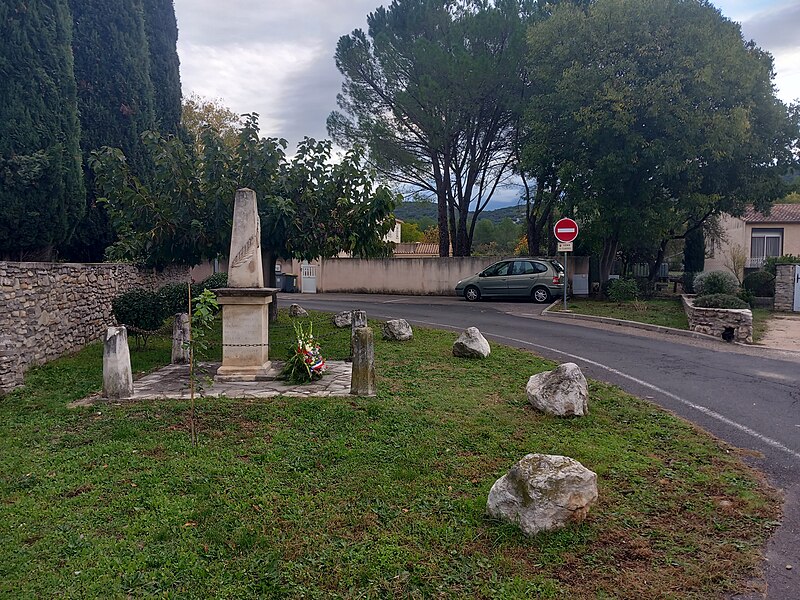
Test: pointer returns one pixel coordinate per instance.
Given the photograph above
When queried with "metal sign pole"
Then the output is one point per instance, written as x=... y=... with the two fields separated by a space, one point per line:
x=566 y=279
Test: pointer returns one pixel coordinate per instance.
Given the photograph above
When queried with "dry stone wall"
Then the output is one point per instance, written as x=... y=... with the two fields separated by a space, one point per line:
x=51 y=309
x=732 y=325
x=784 y=287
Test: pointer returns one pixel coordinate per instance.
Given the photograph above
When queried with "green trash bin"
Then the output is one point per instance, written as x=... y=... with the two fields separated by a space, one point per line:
x=289 y=283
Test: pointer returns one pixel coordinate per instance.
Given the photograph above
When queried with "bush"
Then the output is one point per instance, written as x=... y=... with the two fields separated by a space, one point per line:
x=139 y=310
x=770 y=265
x=748 y=297
x=646 y=289
x=720 y=301
x=715 y=282
x=760 y=283
x=174 y=298
x=622 y=290
x=217 y=280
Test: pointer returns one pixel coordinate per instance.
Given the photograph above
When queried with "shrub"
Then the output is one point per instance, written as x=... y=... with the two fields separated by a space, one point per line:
x=174 y=298
x=217 y=280
x=139 y=310
x=646 y=289
x=720 y=301
x=622 y=290
x=760 y=283
x=747 y=296
x=688 y=282
x=715 y=282
x=771 y=263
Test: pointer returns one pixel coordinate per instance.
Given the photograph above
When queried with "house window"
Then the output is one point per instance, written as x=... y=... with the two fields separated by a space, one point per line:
x=763 y=244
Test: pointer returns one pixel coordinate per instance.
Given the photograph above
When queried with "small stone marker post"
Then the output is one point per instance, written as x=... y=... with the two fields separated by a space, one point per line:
x=117 y=374
x=180 y=339
x=358 y=319
x=362 y=382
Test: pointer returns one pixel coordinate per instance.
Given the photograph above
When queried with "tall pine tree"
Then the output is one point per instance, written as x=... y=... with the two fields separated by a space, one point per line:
x=161 y=28
x=115 y=100
x=41 y=187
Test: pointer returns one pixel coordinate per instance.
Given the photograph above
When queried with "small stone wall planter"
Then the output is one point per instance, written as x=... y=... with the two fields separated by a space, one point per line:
x=731 y=325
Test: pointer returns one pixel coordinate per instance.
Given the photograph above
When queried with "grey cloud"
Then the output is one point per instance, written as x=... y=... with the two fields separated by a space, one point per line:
x=211 y=22
x=777 y=29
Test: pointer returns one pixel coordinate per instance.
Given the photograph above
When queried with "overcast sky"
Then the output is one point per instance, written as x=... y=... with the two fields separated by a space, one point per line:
x=276 y=57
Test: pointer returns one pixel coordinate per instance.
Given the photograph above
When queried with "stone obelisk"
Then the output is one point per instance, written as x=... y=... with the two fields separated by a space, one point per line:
x=245 y=319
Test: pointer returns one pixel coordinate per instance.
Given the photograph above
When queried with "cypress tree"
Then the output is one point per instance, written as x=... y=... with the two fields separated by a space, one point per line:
x=115 y=100
x=694 y=251
x=41 y=187
x=161 y=28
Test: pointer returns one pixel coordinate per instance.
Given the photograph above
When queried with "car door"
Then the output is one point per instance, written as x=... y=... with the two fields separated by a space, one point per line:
x=522 y=278
x=494 y=280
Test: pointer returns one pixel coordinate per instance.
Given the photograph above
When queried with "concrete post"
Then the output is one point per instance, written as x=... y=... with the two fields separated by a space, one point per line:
x=362 y=382
x=117 y=374
x=180 y=339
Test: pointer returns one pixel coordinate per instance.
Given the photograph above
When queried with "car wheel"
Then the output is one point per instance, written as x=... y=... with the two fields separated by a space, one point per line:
x=541 y=295
x=472 y=294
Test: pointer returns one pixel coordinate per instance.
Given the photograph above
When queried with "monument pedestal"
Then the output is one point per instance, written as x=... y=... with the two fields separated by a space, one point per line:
x=245 y=334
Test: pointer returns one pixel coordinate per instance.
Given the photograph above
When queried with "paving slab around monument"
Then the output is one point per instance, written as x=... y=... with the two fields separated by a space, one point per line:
x=172 y=382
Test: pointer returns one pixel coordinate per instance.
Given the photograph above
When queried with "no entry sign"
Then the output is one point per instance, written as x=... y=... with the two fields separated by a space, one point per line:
x=566 y=230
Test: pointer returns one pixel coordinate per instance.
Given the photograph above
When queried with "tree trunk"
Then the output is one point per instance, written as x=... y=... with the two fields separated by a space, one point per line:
x=607 y=258
x=654 y=266
x=271 y=282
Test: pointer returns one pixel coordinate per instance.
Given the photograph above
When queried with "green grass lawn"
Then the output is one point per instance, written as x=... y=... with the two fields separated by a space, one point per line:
x=667 y=312
x=360 y=497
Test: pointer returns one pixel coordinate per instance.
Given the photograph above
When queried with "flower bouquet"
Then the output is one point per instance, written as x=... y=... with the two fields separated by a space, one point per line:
x=305 y=362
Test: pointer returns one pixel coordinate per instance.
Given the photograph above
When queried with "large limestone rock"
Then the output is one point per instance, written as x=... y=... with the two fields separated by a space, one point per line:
x=180 y=339
x=471 y=344
x=397 y=329
x=117 y=374
x=295 y=310
x=562 y=392
x=343 y=319
x=543 y=492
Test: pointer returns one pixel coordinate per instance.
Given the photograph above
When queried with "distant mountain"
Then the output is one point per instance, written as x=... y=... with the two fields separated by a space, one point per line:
x=413 y=211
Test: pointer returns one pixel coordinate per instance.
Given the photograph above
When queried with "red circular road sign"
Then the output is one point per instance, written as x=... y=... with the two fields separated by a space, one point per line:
x=566 y=230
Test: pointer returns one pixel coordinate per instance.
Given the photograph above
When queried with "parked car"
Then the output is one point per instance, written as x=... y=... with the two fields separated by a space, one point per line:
x=539 y=279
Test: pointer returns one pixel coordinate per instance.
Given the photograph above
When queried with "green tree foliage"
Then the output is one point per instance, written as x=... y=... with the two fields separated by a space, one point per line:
x=41 y=185
x=410 y=232
x=653 y=116
x=433 y=91
x=310 y=206
x=161 y=29
x=115 y=101
x=496 y=240
x=198 y=112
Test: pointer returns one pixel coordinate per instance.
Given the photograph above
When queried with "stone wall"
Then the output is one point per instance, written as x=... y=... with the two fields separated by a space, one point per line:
x=731 y=325
x=51 y=309
x=784 y=287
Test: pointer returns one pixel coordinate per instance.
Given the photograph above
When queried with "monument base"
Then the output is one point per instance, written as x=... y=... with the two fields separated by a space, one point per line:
x=245 y=334
x=265 y=372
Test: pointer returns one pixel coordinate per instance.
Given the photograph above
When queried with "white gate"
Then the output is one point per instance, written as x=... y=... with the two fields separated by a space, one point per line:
x=308 y=273
x=796 y=306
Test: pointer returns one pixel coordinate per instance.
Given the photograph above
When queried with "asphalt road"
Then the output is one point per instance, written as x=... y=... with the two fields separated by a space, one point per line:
x=749 y=397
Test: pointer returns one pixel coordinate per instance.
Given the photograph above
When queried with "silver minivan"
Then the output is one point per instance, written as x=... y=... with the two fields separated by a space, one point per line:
x=539 y=279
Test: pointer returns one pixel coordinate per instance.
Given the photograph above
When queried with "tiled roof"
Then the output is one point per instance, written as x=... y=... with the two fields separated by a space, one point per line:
x=416 y=249
x=780 y=213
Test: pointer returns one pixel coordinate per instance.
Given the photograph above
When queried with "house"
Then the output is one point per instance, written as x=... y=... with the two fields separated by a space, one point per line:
x=755 y=237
